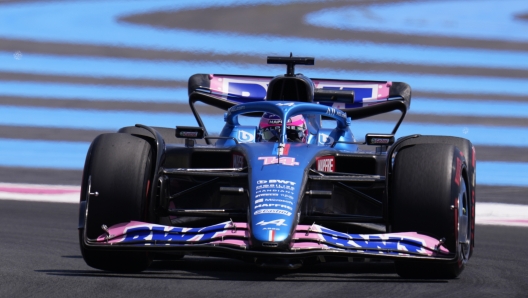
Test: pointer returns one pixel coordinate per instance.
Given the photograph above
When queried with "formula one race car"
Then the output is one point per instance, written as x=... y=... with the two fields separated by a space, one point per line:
x=284 y=191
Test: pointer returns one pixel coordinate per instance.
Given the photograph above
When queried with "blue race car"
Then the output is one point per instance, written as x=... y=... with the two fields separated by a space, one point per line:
x=284 y=191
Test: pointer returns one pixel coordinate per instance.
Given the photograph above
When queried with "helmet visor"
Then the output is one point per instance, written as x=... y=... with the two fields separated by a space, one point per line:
x=271 y=134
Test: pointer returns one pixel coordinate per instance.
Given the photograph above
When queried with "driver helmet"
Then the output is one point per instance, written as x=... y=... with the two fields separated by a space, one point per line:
x=271 y=124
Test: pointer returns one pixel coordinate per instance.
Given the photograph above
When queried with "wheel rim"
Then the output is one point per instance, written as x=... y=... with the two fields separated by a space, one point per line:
x=463 y=220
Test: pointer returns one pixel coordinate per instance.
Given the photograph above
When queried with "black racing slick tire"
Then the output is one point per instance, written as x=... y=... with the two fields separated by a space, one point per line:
x=429 y=195
x=119 y=168
x=468 y=151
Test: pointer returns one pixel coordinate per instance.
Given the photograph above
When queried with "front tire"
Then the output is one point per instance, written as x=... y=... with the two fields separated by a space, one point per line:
x=119 y=168
x=468 y=151
x=429 y=195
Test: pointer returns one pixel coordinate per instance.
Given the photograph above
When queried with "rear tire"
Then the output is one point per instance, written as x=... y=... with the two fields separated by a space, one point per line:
x=119 y=167
x=427 y=179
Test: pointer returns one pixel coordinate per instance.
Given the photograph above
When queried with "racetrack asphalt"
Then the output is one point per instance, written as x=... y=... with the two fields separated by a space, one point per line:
x=40 y=257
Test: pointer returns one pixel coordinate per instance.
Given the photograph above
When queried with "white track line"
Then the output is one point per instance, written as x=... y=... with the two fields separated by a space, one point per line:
x=40 y=193
x=501 y=214
x=486 y=213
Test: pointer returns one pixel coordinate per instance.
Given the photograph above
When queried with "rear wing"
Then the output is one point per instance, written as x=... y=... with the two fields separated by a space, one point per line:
x=368 y=98
x=242 y=89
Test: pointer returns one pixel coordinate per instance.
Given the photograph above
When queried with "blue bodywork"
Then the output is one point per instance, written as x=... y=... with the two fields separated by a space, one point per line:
x=278 y=171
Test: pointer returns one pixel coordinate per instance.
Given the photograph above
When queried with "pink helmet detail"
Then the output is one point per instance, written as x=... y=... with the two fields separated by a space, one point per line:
x=271 y=124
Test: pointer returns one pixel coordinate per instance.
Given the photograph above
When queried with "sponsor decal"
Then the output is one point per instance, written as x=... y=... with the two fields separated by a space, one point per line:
x=325 y=163
x=278 y=200
x=272 y=211
x=275 y=191
x=276 y=181
x=238 y=160
x=287 y=196
x=379 y=141
x=287 y=161
x=270 y=228
x=272 y=205
x=245 y=137
x=289 y=104
x=458 y=169
x=243 y=88
x=189 y=134
x=259 y=201
x=266 y=195
x=325 y=139
x=277 y=222
x=279 y=121
x=339 y=113
x=275 y=187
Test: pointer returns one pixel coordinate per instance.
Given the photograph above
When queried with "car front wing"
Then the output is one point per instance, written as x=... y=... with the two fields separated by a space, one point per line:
x=234 y=237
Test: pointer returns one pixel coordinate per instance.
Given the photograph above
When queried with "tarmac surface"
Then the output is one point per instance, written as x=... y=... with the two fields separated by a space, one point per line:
x=41 y=258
